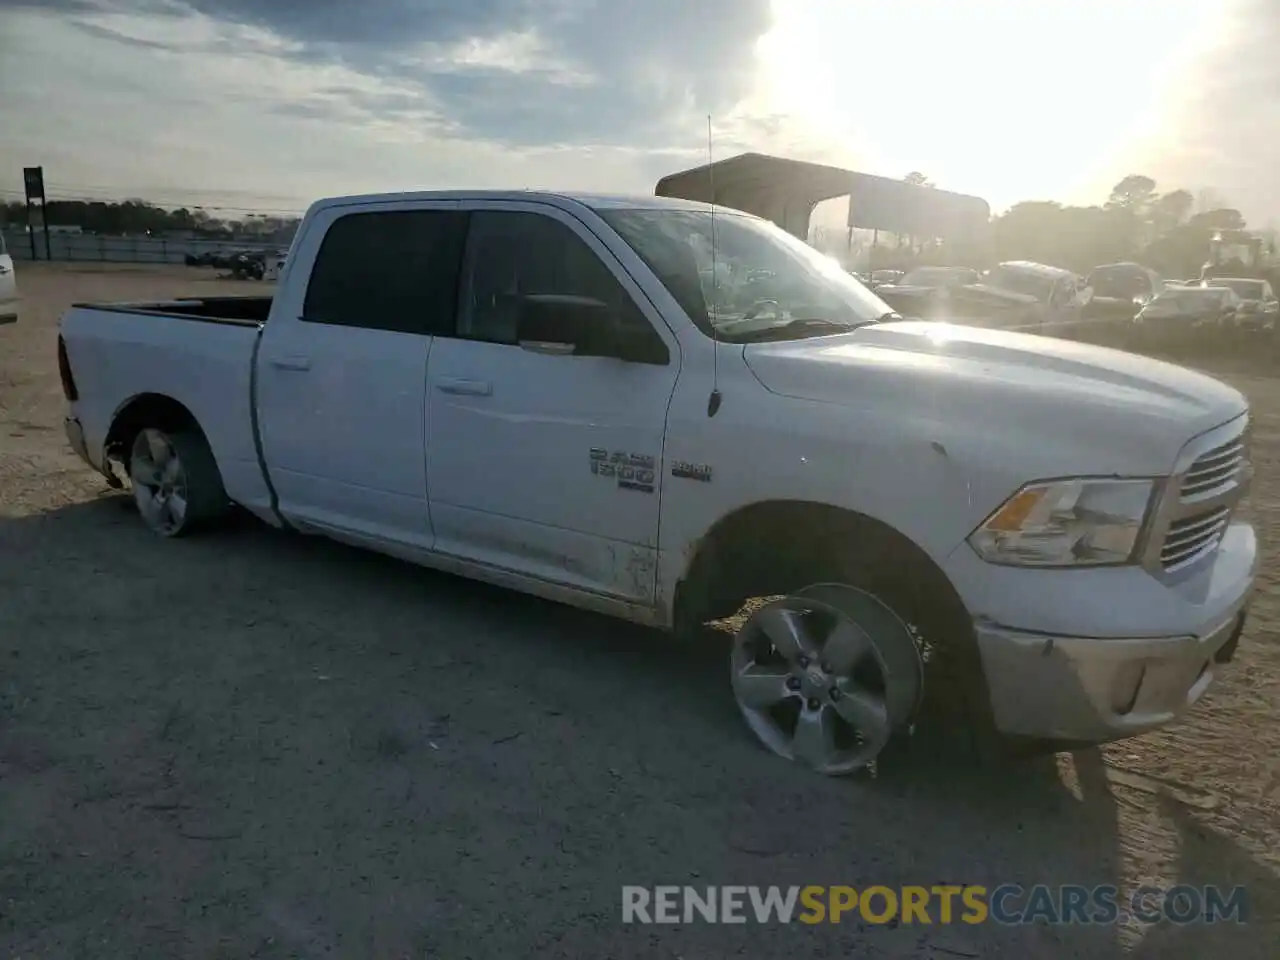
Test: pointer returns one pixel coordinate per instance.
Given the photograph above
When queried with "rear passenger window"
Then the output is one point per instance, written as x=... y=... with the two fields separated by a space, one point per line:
x=396 y=271
x=512 y=255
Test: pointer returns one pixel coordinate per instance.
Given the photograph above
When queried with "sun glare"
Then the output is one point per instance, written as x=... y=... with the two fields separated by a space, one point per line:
x=1009 y=100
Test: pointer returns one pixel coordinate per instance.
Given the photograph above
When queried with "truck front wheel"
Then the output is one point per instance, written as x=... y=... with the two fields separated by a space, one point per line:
x=175 y=480
x=846 y=637
x=826 y=676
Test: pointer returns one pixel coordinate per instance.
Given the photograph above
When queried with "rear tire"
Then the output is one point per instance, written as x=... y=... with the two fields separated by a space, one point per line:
x=175 y=480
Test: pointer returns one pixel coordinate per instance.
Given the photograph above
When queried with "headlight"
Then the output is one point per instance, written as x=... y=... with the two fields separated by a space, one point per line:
x=1067 y=523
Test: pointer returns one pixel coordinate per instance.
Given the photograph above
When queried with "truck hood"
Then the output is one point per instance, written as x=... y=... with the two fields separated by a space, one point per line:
x=1120 y=412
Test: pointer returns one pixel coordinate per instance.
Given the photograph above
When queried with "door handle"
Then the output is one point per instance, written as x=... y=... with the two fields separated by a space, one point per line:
x=3 y=269
x=466 y=388
x=291 y=363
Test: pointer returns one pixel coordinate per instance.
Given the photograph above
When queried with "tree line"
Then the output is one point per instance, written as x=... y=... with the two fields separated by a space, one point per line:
x=1136 y=223
x=137 y=217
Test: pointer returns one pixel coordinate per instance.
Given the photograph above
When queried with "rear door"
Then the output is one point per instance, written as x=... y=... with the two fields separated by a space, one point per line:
x=8 y=286
x=342 y=369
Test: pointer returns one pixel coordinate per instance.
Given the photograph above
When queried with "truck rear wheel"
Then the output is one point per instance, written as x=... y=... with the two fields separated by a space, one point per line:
x=175 y=480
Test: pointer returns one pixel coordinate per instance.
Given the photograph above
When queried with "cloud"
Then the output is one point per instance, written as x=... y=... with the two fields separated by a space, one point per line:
x=300 y=97
x=187 y=108
x=115 y=36
x=520 y=72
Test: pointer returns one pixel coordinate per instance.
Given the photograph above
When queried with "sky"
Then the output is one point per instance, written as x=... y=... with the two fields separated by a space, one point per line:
x=269 y=104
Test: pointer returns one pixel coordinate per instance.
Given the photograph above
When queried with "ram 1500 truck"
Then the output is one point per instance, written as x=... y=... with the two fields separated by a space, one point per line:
x=675 y=414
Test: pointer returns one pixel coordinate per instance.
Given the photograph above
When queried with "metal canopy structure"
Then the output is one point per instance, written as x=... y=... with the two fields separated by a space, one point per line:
x=786 y=191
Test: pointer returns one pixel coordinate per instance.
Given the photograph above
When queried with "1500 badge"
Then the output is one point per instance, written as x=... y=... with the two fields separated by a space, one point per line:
x=691 y=471
x=634 y=471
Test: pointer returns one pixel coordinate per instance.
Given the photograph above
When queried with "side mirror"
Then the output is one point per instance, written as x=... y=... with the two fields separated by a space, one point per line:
x=564 y=324
x=567 y=325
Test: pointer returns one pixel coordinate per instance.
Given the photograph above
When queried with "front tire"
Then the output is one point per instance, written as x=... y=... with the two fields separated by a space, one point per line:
x=176 y=483
x=886 y=588
x=826 y=676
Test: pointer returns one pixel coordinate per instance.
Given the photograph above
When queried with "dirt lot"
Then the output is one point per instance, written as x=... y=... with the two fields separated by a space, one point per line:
x=251 y=744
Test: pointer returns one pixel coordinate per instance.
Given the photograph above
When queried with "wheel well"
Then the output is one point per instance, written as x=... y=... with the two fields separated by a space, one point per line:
x=777 y=546
x=146 y=410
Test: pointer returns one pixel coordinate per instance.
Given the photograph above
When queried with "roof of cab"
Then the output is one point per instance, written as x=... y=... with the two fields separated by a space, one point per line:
x=596 y=201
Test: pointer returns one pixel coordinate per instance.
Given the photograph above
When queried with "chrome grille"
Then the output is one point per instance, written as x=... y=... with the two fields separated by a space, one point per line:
x=1214 y=469
x=1207 y=493
x=1192 y=537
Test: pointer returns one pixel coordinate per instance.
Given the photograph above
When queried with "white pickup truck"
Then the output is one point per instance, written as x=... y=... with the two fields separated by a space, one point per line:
x=671 y=413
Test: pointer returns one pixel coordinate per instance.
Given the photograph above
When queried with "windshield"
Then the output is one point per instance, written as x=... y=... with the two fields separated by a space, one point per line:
x=1020 y=281
x=1118 y=283
x=936 y=276
x=1246 y=289
x=765 y=284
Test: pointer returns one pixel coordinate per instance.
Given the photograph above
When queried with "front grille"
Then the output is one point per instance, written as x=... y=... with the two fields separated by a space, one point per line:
x=1192 y=537
x=1207 y=496
x=1215 y=469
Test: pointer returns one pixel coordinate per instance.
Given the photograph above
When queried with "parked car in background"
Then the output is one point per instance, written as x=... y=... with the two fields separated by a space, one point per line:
x=1181 y=311
x=273 y=265
x=925 y=291
x=1120 y=291
x=877 y=278
x=248 y=265
x=1258 y=304
x=8 y=286
x=1022 y=295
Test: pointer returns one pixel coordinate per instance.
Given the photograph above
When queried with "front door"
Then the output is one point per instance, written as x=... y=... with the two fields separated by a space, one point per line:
x=342 y=371
x=544 y=463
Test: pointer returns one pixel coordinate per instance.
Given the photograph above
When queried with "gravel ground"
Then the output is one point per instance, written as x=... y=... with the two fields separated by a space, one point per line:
x=252 y=744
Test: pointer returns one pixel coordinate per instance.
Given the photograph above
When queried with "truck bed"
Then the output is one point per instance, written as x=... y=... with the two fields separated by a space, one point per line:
x=249 y=310
x=120 y=352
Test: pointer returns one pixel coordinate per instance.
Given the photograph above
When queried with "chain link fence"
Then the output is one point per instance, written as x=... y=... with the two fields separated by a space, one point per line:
x=92 y=247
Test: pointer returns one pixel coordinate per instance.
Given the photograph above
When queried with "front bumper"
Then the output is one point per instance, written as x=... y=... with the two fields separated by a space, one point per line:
x=1255 y=322
x=1085 y=689
x=1102 y=654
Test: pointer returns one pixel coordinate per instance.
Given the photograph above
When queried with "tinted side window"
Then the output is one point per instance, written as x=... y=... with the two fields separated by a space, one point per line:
x=512 y=255
x=396 y=270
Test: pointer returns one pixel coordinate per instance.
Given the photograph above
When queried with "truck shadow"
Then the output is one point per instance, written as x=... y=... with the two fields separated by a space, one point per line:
x=248 y=656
